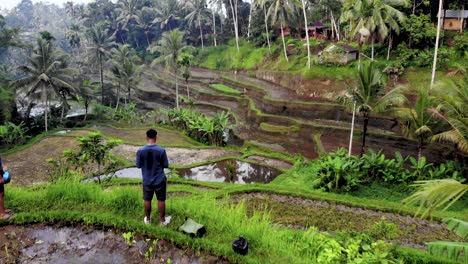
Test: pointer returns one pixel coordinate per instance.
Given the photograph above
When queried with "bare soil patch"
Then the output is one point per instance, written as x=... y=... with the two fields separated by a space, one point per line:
x=56 y=244
x=138 y=136
x=29 y=166
x=301 y=213
x=276 y=163
x=177 y=156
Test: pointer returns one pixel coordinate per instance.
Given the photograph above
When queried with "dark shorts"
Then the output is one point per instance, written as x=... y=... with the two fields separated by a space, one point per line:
x=1 y=188
x=150 y=190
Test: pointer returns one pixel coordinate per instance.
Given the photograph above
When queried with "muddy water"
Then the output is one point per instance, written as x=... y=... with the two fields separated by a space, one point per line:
x=57 y=244
x=231 y=171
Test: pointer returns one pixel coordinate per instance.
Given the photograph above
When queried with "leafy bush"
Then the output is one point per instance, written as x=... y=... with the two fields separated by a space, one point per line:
x=461 y=44
x=338 y=172
x=205 y=129
x=11 y=134
x=384 y=230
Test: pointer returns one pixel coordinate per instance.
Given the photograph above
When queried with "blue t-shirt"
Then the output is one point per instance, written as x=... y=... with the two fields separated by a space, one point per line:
x=152 y=160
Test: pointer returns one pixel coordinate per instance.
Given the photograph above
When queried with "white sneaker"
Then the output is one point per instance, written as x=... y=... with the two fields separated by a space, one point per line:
x=147 y=221
x=167 y=220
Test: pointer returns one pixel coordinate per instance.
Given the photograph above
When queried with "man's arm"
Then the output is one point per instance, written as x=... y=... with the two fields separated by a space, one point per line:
x=138 y=159
x=165 y=161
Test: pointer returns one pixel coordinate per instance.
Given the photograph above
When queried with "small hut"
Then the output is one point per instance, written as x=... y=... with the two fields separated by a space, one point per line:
x=456 y=20
x=339 y=53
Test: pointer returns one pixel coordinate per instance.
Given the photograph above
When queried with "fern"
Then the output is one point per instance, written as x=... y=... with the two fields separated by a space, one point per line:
x=452 y=250
x=458 y=226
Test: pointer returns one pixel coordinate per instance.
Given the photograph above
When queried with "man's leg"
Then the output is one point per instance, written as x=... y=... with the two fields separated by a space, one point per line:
x=2 y=206
x=148 y=209
x=162 y=211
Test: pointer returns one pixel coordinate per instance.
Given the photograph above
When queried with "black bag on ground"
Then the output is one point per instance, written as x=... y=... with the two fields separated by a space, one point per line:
x=241 y=246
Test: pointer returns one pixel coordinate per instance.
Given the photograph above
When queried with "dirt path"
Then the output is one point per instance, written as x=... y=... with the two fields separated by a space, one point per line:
x=177 y=156
x=29 y=166
x=301 y=213
x=55 y=244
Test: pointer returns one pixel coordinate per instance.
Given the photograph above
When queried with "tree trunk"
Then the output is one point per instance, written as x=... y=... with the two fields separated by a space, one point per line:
x=46 y=108
x=372 y=45
x=420 y=149
x=389 y=45
x=118 y=97
x=284 y=42
x=234 y=19
x=201 y=32
x=147 y=39
x=266 y=29
x=364 y=133
x=307 y=33
x=176 y=88
x=214 y=28
x=337 y=31
x=102 y=79
x=434 y=63
x=188 y=93
x=129 y=93
x=86 y=110
x=252 y=3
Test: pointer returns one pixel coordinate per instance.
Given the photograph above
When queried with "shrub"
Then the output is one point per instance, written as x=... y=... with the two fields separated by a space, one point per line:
x=461 y=44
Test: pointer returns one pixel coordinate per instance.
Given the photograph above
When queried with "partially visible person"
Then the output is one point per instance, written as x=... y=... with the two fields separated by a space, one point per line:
x=152 y=160
x=4 y=213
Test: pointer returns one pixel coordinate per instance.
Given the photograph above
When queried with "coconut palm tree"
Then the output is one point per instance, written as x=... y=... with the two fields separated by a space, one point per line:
x=197 y=12
x=145 y=21
x=376 y=16
x=234 y=10
x=279 y=11
x=170 y=46
x=125 y=69
x=369 y=95
x=101 y=43
x=127 y=10
x=166 y=11
x=304 y=11
x=48 y=74
x=452 y=99
x=418 y=121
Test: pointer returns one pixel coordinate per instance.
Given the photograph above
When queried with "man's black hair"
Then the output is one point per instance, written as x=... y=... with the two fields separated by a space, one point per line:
x=151 y=133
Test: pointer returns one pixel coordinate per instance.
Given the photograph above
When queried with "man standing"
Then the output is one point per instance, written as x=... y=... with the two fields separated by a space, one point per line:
x=4 y=213
x=152 y=160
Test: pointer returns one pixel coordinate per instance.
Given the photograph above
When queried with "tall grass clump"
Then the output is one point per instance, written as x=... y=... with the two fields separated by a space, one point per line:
x=71 y=193
x=124 y=201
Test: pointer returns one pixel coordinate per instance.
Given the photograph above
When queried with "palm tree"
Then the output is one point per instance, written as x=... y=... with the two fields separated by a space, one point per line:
x=197 y=11
x=436 y=48
x=279 y=11
x=125 y=69
x=166 y=11
x=85 y=94
x=452 y=99
x=127 y=10
x=376 y=16
x=369 y=95
x=418 y=121
x=170 y=46
x=145 y=21
x=306 y=31
x=48 y=73
x=234 y=11
x=100 y=46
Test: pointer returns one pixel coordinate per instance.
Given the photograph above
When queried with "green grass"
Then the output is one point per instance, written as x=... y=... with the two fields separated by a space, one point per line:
x=224 y=88
x=70 y=202
x=279 y=129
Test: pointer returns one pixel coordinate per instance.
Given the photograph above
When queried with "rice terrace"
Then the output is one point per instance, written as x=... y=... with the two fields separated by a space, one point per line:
x=234 y=131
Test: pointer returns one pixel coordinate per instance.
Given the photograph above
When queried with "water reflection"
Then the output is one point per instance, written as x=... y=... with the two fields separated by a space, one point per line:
x=231 y=171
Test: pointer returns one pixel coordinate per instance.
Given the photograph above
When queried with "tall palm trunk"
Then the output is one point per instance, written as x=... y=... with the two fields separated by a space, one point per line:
x=147 y=39
x=118 y=97
x=102 y=79
x=250 y=18
x=284 y=42
x=420 y=148
x=372 y=45
x=214 y=28
x=188 y=93
x=236 y=25
x=86 y=110
x=389 y=45
x=364 y=133
x=333 y=22
x=46 y=102
x=434 y=63
x=307 y=33
x=266 y=29
x=201 y=32
x=176 y=87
